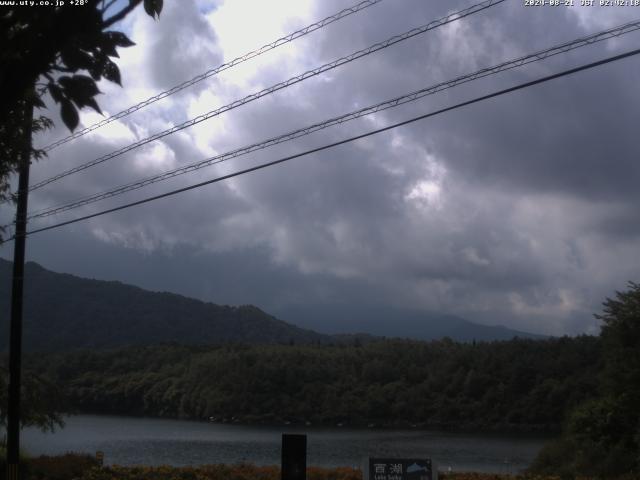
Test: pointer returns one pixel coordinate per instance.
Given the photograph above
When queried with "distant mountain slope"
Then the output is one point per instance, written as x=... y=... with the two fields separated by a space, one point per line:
x=64 y=311
x=398 y=322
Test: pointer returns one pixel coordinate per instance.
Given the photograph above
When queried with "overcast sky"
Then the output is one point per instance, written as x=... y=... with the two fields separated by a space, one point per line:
x=521 y=210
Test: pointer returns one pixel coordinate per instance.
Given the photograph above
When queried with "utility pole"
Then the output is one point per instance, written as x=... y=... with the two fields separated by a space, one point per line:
x=15 y=338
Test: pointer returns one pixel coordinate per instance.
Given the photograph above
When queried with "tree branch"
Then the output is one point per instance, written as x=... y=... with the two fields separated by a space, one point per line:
x=62 y=69
x=107 y=6
x=121 y=14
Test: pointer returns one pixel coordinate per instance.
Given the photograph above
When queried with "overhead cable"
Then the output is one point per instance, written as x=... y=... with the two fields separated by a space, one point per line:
x=394 y=102
x=214 y=71
x=341 y=142
x=279 y=86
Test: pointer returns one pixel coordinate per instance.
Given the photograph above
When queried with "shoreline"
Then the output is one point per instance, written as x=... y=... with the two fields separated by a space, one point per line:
x=150 y=441
x=544 y=431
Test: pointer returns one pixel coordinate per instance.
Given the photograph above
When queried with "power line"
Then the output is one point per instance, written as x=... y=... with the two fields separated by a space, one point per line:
x=410 y=97
x=341 y=142
x=279 y=86
x=214 y=71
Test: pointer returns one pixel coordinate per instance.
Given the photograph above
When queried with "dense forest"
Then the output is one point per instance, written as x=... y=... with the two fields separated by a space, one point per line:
x=518 y=384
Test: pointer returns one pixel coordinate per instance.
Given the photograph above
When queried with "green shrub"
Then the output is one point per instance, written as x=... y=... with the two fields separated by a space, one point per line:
x=555 y=459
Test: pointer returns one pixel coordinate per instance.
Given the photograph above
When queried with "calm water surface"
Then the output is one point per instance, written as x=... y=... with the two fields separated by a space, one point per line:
x=131 y=441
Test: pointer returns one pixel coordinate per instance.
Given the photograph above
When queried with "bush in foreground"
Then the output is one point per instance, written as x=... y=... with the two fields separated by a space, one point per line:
x=84 y=467
x=61 y=467
x=214 y=472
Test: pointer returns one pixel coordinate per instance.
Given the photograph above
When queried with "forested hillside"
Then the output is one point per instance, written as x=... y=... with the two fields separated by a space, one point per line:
x=519 y=384
x=64 y=311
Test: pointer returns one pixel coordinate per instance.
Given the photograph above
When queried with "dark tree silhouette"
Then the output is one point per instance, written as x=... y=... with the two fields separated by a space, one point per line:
x=42 y=401
x=61 y=50
x=602 y=435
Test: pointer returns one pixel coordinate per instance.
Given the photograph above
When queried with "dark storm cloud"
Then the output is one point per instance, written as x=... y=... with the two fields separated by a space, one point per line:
x=557 y=140
x=574 y=136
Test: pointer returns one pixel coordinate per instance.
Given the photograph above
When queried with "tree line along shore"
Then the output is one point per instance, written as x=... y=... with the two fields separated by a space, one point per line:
x=519 y=385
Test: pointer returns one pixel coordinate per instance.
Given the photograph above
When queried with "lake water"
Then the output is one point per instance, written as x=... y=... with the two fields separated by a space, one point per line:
x=146 y=441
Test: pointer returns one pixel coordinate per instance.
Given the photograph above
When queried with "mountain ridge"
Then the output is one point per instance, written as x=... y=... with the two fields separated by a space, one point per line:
x=63 y=311
x=100 y=314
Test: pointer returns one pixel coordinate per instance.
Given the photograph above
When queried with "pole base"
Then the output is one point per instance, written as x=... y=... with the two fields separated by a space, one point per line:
x=13 y=471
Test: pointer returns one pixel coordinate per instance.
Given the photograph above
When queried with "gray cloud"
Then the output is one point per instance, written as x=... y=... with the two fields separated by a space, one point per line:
x=519 y=210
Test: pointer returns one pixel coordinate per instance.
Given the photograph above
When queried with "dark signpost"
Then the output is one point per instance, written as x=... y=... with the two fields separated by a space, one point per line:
x=294 y=457
x=401 y=469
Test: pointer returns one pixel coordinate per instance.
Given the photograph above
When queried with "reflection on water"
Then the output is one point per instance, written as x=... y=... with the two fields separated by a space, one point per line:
x=130 y=441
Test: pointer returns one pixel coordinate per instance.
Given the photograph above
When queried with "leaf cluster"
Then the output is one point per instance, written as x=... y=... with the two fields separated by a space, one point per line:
x=62 y=51
x=41 y=401
x=57 y=45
